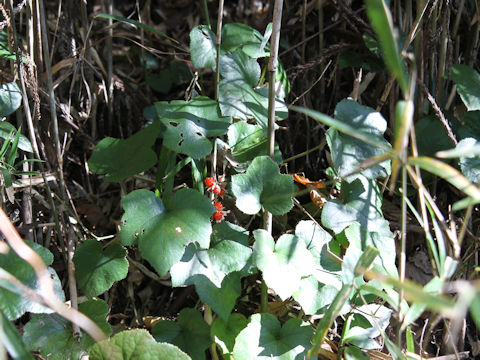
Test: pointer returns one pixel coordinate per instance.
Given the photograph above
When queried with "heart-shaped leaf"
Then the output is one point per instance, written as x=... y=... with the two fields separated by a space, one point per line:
x=164 y=229
x=224 y=332
x=469 y=164
x=314 y=296
x=119 y=159
x=213 y=263
x=190 y=123
x=190 y=333
x=362 y=202
x=248 y=141
x=15 y=305
x=203 y=49
x=263 y=185
x=348 y=152
x=10 y=98
x=265 y=339
x=468 y=85
x=97 y=269
x=135 y=344
x=52 y=335
x=283 y=263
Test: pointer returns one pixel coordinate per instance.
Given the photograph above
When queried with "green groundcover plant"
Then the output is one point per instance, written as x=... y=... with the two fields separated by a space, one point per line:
x=340 y=265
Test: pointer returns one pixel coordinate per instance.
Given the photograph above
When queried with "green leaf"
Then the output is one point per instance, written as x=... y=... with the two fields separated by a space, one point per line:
x=236 y=35
x=190 y=123
x=12 y=342
x=361 y=202
x=469 y=164
x=164 y=229
x=52 y=335
x=15 y=305
x=264 y=338
x=190 y=333
x=203 y=48
x=354 y=353
x=223 y=299
x=360 y=238
x=475 y=310
x=119 y=159
x=263 y=185
x=23 y=143
x=224 y=332
x=238 y=66
x=468 y=85
x=348 y=152
x=363 y=335
x=431 y=136
x=135 y=344
x=97 y=269
x=283 y=263
x=314 y=296
x=213 y=263
x=10 y=98
x=381 y=20
x=248 y=141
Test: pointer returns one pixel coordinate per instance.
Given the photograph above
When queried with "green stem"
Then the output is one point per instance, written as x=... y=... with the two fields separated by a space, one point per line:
x=205 y=10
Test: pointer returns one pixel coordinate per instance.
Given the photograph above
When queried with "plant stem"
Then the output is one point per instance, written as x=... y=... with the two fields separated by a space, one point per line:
x=219 y=42
x=205 y=10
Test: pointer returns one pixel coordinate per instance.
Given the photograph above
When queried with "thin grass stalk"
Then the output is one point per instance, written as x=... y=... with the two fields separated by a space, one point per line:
x=51 y=96
x=218 y=43
x=272 y=71
x=110 y=67
x=31 y=128
x=442 y=59
x=321 y=43
x=205 y=12
x=403 y=253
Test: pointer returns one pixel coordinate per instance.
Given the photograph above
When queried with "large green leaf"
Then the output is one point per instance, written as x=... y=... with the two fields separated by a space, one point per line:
x=468 y=85
x=13 y=304
x=283 y=263
x=240 y=36
x=23 y=143
x=317 y=291
x=224 y=332
x=12 y=341
x=209 y=269
x=135 y=344
x=263 y=185
x=248 y=141
x=190 y=123
x=97 y=268
x=203 y=49
x=221 y=299
x=164 y=229
x=10 y=98
x=52 y=335
x=315 y=296
x=119 y=159
x=361 y=202
x=431 y=136
x=348 y=152
x=381 y=20
x=360 y=238
x=190 y=333
x=469 y=164
x=370 y=320
x=213 y=263
x=265 y=339
x=238 y=97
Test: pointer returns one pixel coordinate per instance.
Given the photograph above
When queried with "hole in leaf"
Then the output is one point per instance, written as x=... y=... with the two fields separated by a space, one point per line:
x=181 y=134
x=181 y=142
x=173 y=123
x=124 y=222
x=143 y=231
x=199 y=133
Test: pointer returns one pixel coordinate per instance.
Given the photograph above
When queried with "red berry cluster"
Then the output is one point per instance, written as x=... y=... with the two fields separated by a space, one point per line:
x=218 y=189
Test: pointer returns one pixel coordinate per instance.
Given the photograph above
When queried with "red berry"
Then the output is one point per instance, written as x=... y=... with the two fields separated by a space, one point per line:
x=216 y=189
x=222 y=192
x=210 y=181
x=218 y=216
x=218 y=205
